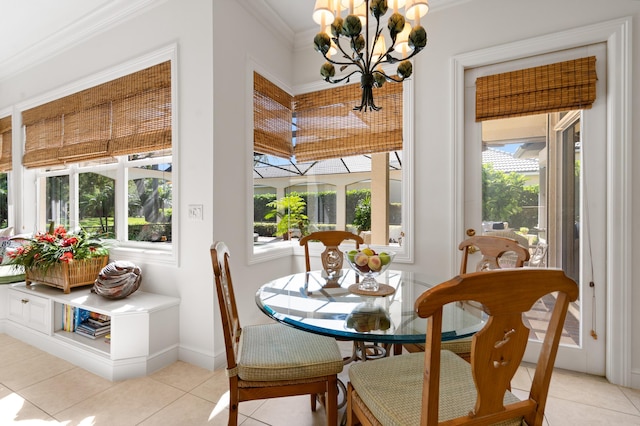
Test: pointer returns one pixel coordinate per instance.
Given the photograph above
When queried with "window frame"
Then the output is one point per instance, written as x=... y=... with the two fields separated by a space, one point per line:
x=286 y=248
x=132 y=250
x=8 y=112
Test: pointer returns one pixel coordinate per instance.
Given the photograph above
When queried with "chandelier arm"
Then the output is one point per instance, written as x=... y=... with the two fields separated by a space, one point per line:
x=375 y=40
x=357 y=56
x=392 y=60
x=389 y=77
x=340 y=63
x=343 y=78
x=353 y=61
x=384 y=59
x=380 y=58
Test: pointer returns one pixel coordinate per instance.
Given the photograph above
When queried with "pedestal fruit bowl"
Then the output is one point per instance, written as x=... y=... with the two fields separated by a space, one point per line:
x=369 y=264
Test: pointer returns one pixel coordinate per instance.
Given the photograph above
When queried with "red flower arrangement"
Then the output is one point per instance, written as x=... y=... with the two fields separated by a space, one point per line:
x=47 y=249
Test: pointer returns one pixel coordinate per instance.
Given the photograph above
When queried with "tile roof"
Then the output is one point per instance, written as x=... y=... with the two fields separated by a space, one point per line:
x=506 y=162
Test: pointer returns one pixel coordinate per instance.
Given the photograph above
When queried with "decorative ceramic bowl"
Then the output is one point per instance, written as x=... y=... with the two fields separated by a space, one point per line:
x=369 y=264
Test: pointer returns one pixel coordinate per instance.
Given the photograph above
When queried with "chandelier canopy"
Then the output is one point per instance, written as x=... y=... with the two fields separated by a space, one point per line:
x=367 y=53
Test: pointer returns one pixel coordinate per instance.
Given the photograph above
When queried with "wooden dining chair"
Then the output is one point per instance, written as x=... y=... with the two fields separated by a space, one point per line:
x=332 y=257
x=438 y=386
x=273 y=360
x=492 y=249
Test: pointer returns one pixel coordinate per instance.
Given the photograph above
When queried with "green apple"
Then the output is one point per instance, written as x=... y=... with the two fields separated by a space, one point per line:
x=352 y=255
x=384 y=258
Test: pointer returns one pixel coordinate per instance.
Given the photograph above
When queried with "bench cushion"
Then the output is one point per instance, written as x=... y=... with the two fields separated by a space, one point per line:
x=11 y=274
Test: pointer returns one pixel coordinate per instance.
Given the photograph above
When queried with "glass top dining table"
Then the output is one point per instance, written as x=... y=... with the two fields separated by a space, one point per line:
x=312 y=302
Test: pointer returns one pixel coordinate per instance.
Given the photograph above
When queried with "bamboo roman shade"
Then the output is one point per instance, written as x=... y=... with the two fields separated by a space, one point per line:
x=128 y=115
x=272 y=118
x=5 y=144
x=556 y=87
x=328 y=127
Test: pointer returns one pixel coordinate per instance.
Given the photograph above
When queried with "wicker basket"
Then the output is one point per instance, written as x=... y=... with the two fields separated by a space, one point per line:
x=68 y=275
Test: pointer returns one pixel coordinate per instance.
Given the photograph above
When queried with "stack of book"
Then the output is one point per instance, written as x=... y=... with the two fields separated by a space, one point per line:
x=72 y=317
x=95 y=326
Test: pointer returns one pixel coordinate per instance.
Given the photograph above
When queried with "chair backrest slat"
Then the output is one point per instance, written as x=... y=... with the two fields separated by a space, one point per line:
x=226 y=301
x=332 y=258
x=492 y=249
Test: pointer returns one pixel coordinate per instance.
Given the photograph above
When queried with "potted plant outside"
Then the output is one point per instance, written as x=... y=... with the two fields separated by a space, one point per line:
x=290 y=210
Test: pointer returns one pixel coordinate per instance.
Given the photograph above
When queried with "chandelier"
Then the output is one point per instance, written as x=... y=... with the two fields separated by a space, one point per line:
x=346 y=43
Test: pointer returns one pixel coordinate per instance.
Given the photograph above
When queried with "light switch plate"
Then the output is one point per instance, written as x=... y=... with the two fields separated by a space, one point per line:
x=195 y=212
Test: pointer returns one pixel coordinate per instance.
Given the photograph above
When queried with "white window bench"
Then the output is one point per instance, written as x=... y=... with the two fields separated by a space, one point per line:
x=144 y=328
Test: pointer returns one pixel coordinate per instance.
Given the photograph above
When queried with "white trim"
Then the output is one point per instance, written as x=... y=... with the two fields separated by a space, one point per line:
x=617 y=35
x=619 y=208
x=408 y=174
x=278 y=250
x=8 y=112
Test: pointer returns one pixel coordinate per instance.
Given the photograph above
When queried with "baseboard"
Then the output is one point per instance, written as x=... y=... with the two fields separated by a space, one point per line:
x=200 y=358
x=635 y=378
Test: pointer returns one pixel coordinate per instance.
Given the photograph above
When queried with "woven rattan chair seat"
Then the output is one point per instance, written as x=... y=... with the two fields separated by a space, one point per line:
x=391 y=388
x=266 y=354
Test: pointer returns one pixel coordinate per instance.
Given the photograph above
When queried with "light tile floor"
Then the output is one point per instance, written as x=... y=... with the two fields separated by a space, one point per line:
x=39 y=389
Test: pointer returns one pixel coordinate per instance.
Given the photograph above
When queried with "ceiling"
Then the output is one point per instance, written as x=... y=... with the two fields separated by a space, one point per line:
x=33 y=30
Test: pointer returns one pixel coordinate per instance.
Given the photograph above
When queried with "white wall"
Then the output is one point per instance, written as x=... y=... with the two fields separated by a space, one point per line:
x=240 y=40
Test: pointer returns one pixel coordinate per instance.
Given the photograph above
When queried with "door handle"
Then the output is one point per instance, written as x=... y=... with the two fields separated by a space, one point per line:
x=470 y=233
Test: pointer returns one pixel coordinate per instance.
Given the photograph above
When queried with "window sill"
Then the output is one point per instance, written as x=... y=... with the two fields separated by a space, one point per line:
x=282 y=249
x=263 y=253
x=161 y=254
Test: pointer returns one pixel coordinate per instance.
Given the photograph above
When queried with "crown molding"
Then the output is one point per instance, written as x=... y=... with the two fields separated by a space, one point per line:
x=102 y=19
x=271 y=20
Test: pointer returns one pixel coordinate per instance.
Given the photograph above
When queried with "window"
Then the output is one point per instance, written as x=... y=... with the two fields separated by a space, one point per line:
x=57 y=200
x=4 y=200
x=148 y=193
x=103 y=157
x=5 y=167
x=316 y=147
